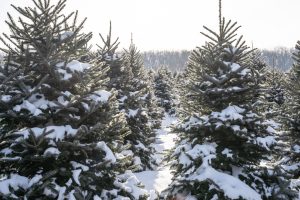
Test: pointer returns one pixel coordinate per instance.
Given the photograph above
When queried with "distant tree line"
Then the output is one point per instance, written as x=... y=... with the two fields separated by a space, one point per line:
x=280 y=58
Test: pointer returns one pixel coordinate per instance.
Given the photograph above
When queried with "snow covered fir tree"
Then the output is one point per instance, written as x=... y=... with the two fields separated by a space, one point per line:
x=85 y=122
x=163 y=84
x=224 y=143
x=292 y=117
x=136 y=99
x=62 y=135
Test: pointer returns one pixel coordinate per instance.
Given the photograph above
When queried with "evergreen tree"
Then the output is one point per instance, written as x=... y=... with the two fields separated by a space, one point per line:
x=62 y=135
x=225 y=140
x=128 y=78
x=139 y=104
x=108 y=54
x=275 y=81
x=163 y=89
x=292 y=116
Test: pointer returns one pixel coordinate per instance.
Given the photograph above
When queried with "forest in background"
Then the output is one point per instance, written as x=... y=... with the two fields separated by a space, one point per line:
x=280 y=58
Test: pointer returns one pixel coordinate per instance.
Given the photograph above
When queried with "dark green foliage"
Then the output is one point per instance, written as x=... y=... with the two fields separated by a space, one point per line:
x=164 y=89
x=292 y=113
x=108 y=54
x=224 y=132
x=137 y=101
x=60 y=129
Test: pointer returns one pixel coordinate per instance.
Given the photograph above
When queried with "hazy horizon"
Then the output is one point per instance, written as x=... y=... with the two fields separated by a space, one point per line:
x=159 y=25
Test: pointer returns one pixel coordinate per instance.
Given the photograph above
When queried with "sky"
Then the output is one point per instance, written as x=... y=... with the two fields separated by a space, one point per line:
x=176 y=24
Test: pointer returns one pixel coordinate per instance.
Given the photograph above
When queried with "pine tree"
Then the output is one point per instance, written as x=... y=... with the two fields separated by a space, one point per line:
x=225 y=140
x=163 y=89
x=135 y=97
x=62 y=135
x=275 y=81
x=292 y=116
x=107 y=53
x=139 y=104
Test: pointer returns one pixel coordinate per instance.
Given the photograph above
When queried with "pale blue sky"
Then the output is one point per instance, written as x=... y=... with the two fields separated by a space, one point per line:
x=176 y=24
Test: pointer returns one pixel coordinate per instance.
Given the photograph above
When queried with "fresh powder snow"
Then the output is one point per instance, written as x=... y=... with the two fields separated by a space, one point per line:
x=158 y=180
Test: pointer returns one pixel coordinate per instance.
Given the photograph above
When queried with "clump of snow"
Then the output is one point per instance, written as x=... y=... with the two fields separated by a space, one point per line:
x=234 y=66
x=133 y=93
x=124 y=154
x=271 y=130
x=39 y=101
x=6 y=98
x=244 y=72
x=100 y=96
x=75 y=65
x=57 y=132
x=109 y=156
x=62 y=100
x=35 y=180
x=272 y=123
x=122 y=99
x=28 y=106
x=233 y=187
x=36 y=103
x=140 y=146
x=76 y=174
x=77 y=165
x=235 y=127
x=227 y=152
x=132 y=113
x=65 y=74
x=229 y=113
x=66 y=35
x=71 y=195
x=6 y=151
x=296 y=148
x=202 y=150
x=184 y=160
x=15 y=181
x=137 y=162
x=266 y=142
x=51 y=151
x=193 y=121
x=129 y=183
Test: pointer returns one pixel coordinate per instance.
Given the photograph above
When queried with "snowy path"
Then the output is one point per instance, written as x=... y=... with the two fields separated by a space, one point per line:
x=159 y=179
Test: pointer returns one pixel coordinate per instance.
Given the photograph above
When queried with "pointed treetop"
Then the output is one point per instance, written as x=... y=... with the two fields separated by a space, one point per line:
x=220 y=13
x=109 y=46
x=131 y=38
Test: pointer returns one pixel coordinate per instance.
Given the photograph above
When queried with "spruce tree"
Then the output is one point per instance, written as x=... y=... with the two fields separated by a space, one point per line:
x=224 y=140
x=292 y=116
x=62 y=135
x=275 y=81
x=139 y=104
x=128 y=78
x=107 y=53
x=164 y=89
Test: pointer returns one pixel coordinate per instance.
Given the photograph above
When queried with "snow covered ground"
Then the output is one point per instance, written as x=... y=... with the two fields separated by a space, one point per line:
x=158 y=180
